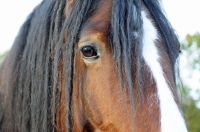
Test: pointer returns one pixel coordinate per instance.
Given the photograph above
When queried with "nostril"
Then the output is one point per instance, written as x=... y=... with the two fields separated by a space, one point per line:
x=88 y=127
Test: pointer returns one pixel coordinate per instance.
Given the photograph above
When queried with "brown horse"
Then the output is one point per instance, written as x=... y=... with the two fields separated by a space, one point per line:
x=92 y=65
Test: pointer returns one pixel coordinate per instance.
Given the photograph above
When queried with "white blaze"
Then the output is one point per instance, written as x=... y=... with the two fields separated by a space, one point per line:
x=171 y=118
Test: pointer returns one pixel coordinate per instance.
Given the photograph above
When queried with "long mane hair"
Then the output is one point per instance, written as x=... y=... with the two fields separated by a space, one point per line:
x=41 y=47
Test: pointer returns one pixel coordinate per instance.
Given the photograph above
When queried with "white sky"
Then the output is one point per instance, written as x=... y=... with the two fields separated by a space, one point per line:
x=183 y=14
x=12 y=15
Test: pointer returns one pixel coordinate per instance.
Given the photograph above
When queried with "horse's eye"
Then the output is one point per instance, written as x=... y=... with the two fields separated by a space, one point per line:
x=89 y=52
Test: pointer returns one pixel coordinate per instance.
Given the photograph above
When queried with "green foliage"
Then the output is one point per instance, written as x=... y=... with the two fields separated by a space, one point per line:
x=191 y=112
x=193 y=38
x=191 y=49
x=2 y=57
x=192 y=115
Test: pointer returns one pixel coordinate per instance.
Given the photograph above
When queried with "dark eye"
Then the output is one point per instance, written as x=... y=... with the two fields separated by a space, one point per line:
x=89 y=52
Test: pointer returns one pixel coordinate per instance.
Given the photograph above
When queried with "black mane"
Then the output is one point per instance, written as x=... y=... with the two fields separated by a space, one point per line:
x=34 y=61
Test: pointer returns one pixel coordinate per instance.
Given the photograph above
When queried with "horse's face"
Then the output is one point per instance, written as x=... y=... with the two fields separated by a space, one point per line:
x=114 y=71
x=99 y=94
x=99 y=102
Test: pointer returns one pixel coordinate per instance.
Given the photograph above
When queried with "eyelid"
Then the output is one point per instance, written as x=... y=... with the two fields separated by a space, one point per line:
x=89 y=43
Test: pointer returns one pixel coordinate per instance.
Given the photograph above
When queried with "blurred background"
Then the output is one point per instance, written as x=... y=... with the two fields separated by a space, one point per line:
x=184 y=17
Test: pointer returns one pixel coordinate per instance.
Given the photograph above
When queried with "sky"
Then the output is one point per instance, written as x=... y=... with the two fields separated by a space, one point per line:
x=12 y=15
x=183 y=15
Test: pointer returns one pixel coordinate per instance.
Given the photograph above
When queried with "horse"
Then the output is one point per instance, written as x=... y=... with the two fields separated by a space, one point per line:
x=92 y=65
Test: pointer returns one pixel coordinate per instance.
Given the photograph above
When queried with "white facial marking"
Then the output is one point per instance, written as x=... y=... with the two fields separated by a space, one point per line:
x=171 y=118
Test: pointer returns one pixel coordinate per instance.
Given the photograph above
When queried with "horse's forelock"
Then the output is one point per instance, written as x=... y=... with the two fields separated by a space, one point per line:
x=126 y=35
